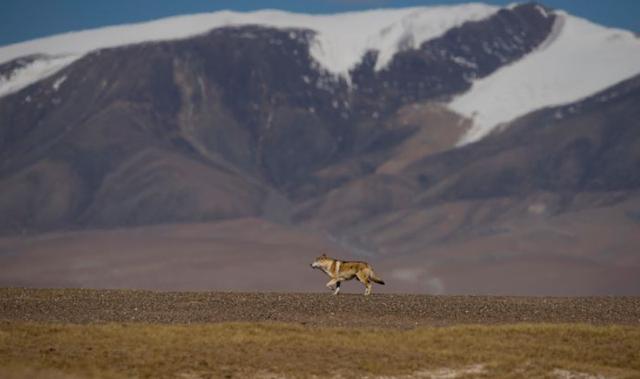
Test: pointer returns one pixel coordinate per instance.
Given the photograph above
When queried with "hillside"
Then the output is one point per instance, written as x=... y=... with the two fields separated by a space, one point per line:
x=465 y=149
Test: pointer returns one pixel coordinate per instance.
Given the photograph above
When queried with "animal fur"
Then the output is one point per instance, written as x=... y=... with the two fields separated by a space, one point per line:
x=340 y=271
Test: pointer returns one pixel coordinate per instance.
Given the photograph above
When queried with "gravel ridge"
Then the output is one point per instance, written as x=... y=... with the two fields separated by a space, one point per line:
x=312 y=309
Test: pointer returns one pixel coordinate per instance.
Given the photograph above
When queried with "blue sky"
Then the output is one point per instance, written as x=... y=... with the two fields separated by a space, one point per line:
x=22 y=20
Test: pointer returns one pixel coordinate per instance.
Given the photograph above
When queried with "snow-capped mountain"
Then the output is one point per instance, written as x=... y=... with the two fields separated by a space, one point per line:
x=356 y=125
x=338 y=44
x=577 y=59
x=545 y=77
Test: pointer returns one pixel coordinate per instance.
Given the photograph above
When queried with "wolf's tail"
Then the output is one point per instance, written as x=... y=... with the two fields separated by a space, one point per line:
x=374 y=278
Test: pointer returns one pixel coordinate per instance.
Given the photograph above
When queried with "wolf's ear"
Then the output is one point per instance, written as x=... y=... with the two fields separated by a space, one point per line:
x=324 y=255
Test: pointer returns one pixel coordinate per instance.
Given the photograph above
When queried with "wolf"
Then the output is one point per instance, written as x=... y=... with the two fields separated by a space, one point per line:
x=340 y=271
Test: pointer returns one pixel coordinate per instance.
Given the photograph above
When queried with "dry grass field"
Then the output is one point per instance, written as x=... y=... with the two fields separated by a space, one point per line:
x=69 y=334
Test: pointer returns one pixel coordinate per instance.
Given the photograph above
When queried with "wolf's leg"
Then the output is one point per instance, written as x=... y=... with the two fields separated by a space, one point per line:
x=332 y=284
x=364 y=279
x=337 y=288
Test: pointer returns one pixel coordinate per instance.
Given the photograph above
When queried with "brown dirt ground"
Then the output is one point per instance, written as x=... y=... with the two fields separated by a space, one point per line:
x=378 y=310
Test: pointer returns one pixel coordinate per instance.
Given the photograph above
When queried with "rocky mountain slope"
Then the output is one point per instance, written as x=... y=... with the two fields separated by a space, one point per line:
x=449 y=151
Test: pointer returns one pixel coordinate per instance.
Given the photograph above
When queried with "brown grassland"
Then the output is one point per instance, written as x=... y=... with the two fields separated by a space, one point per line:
x=286 y=350
x=58 y=348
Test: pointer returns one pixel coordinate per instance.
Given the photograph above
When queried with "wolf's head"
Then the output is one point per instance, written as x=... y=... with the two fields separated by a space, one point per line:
x=321 y=261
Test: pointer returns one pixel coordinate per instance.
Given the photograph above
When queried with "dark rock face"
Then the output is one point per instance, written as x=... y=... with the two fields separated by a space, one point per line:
x=447 y=65
x=10 y=67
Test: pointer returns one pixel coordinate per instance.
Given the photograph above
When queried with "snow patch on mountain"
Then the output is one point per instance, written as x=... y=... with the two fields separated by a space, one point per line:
x=578 y=59
x=340 y=42
x=56 y=85
x=32 y=72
